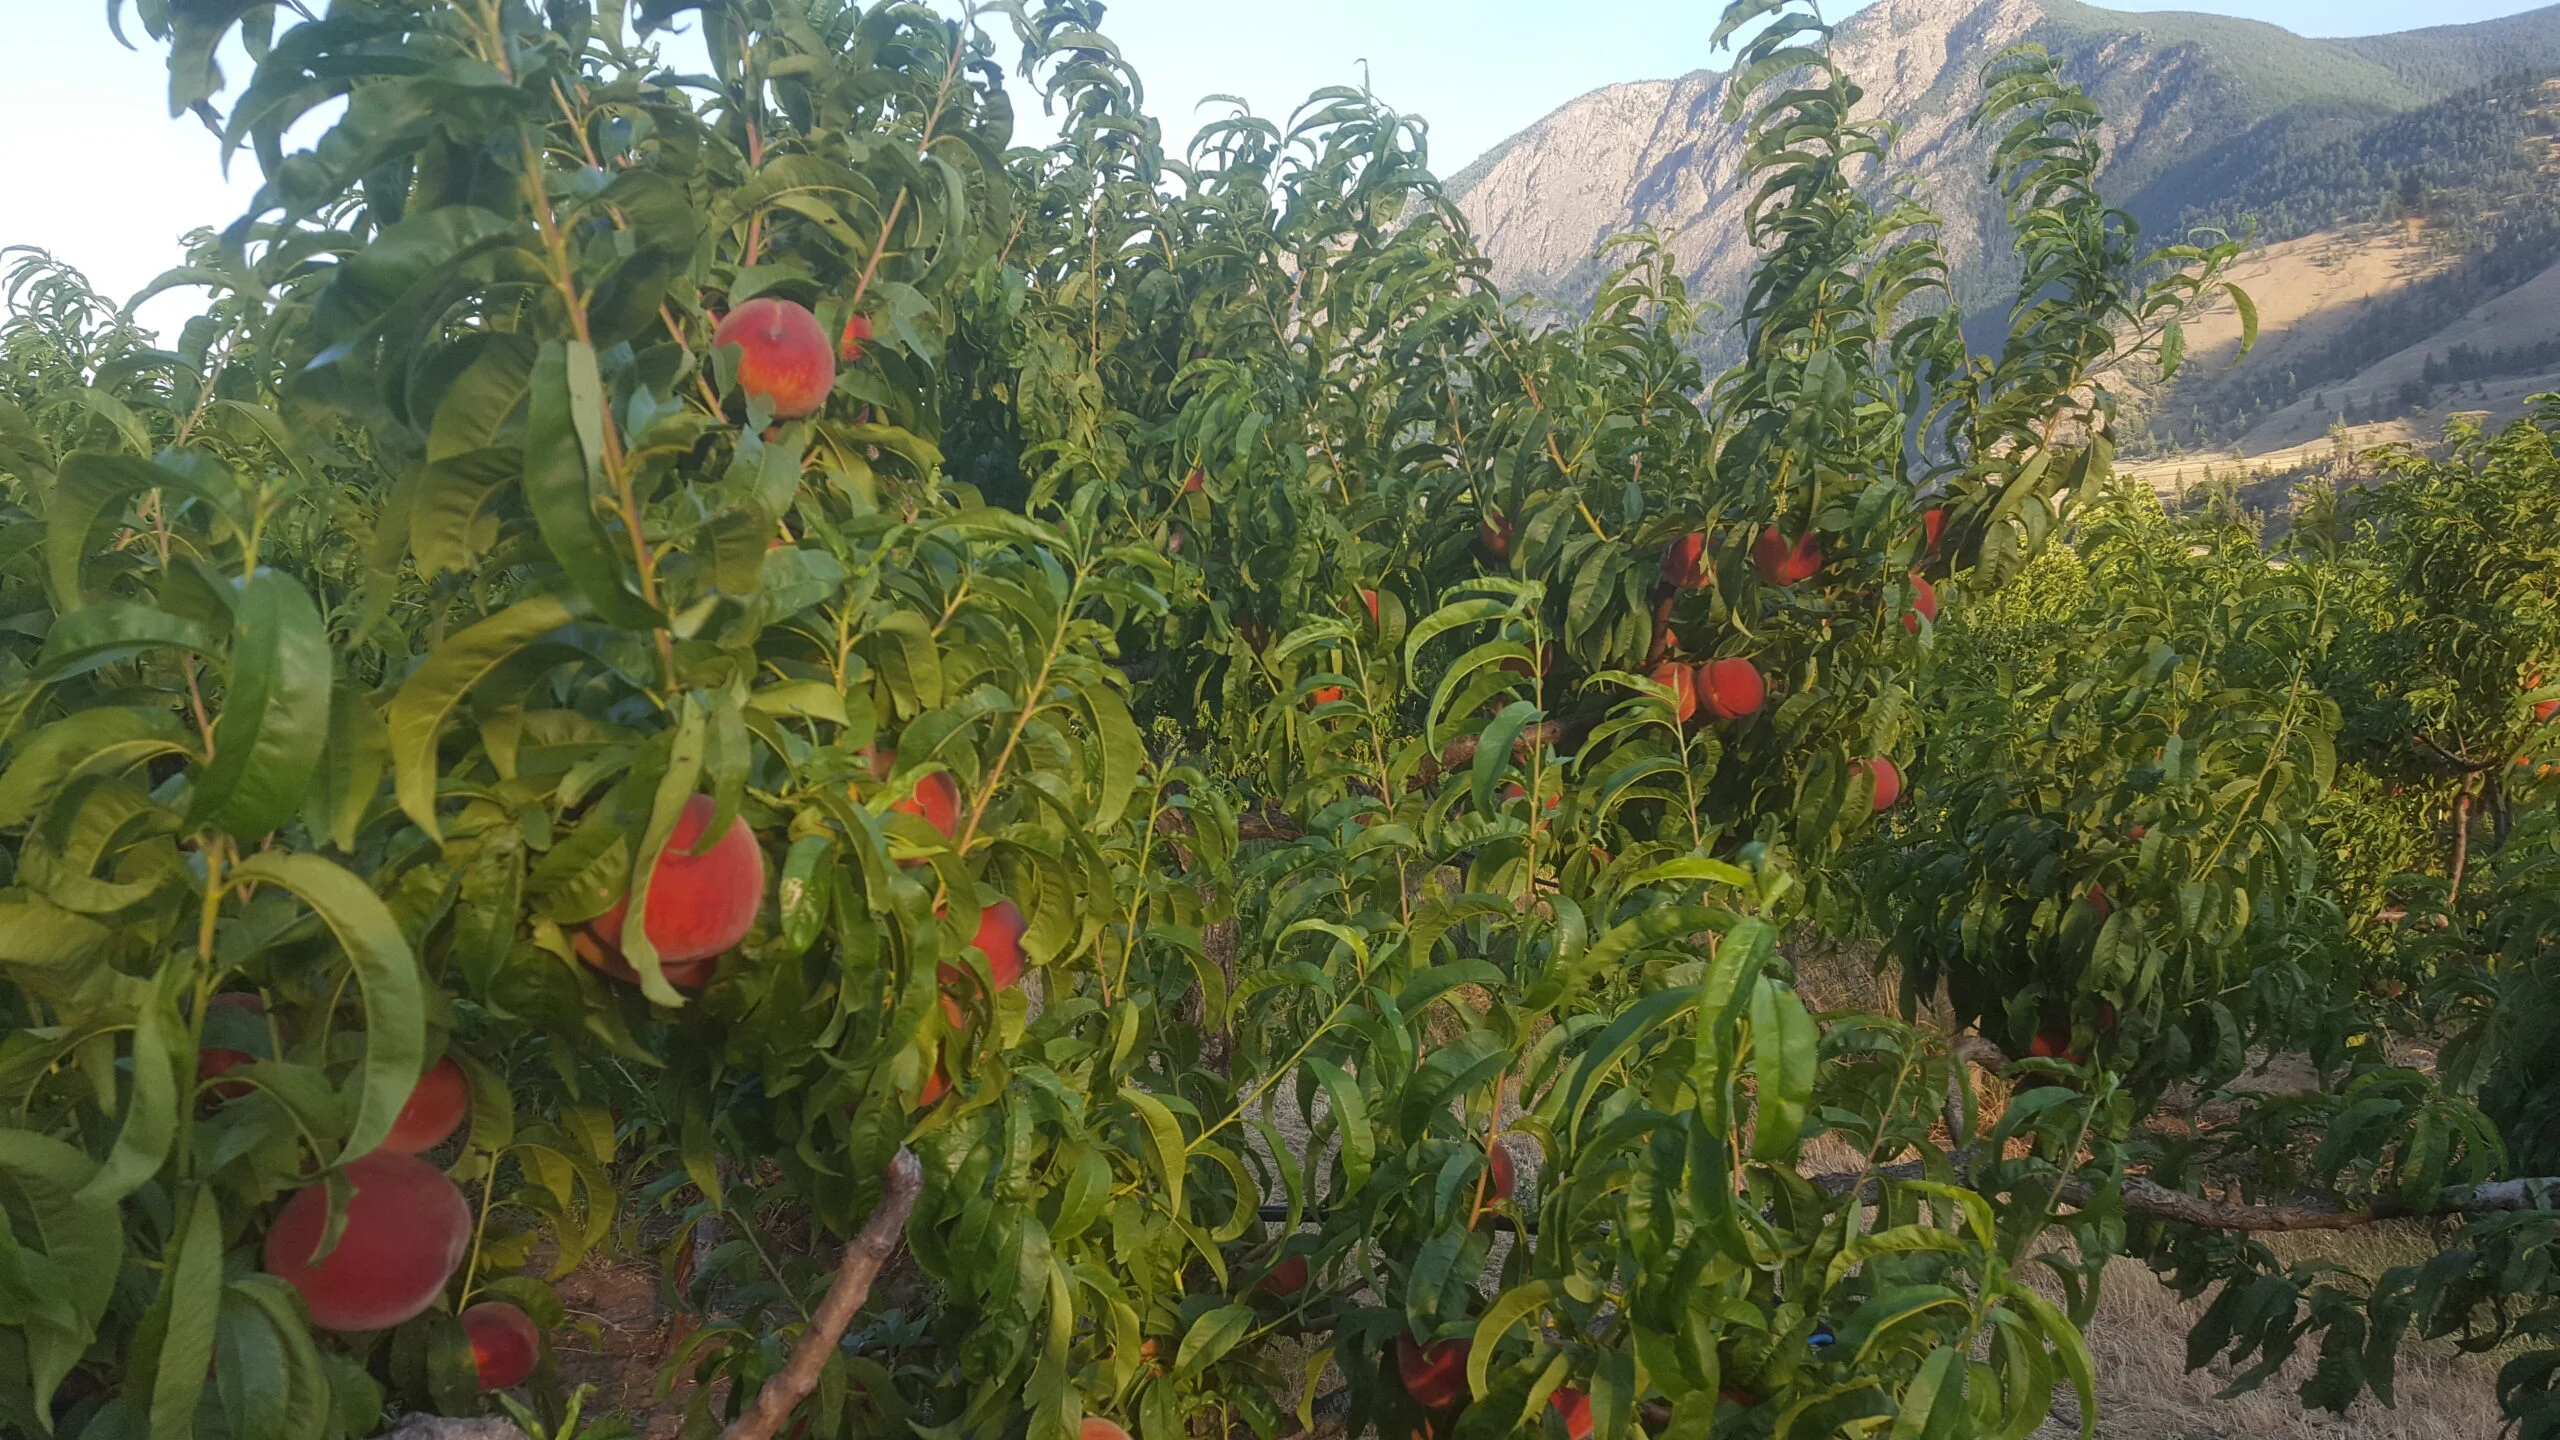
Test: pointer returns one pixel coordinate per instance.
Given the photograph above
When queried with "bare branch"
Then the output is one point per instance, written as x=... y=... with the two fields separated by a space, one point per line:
x=863 y=1258
x=2159 y=1202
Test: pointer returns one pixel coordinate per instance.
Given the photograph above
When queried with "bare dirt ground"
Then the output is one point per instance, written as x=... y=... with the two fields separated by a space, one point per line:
x=623 y=1333
x=2145 y=1391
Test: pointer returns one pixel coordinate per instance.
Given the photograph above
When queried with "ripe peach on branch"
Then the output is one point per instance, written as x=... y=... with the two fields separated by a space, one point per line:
x=1781 y=561
x=783 y=355
x=700 y=905
x=407 y=1228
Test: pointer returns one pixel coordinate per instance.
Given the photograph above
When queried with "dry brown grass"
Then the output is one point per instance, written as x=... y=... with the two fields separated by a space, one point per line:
x=2146 y=1392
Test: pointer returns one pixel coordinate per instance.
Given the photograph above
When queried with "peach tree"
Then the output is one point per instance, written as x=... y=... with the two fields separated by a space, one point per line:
x=672 y=639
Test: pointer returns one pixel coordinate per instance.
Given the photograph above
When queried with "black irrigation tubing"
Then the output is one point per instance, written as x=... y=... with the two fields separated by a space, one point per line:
x=1280 y=1214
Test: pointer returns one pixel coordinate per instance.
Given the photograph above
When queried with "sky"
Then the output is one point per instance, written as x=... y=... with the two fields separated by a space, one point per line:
x=99 y=174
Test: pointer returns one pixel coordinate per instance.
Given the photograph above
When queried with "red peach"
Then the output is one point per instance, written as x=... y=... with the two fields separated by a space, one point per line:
x=1888 y=779
x=1511 y=790
x=1924 y=605
x=935 y=801
x=2543 y=710
x=407 y=1228
x=1494 y=530
x=1683 y=681
x=1197 y=480
x=1498 y=1162
x=1094 y=1427
x=504 y=1343
x=1784 y=562
x=783 y=355
x=1933 y=528
x=437 y=1104
x=1731 y=688
x=1000 y=930
x=700 y=906
x=1436 y=1377
x=2098 y=901
x=1574 y=1408
x=856 y=331
x=1286 y=1278
x=1324 y=695
x=1369 y=598
x=1684 y=562
x=210 y=1063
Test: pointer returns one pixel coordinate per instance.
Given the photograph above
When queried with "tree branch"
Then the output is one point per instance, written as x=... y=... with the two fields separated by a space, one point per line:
x=2462 y=763
x=863 y=1258
x=2159 y=1202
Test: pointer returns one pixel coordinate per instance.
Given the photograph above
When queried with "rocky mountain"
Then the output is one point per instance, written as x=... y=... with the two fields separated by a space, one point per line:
x=2212 y=120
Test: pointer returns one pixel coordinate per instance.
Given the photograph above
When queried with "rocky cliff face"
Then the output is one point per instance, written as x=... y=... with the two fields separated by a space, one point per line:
x=2180 y=91
x=1660 y=153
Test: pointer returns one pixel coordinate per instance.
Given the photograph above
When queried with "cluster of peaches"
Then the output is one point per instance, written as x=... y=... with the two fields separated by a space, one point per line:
x=1732 y=689
x=408 y=1227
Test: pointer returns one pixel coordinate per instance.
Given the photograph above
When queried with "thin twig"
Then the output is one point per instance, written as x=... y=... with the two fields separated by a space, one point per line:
x=870 y=1250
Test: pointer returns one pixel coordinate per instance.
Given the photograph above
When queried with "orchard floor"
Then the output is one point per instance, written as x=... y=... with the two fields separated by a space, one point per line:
x=2145 y=1391
x=623 y=1334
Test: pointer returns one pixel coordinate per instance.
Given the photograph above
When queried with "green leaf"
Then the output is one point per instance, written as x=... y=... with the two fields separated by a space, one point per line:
x=1123 y=754
x=1900 y=1240
x=1783 y=1044
x=1493 y=750
x=151 y=1100
x=312 y=1381
x=81 y=1242
x=2248 y=308
x=1447 y=618
x=252 y=1370
x=36 y=932
x=2073 y=1350
x=1939 y=1384
x=191 y=1289
x=275 y=715
x=359 y=750
x=1515 y=1306
x=560 y=484
x=114 y=630
x=395 y=1012
x=1210 y=1338
x=89 y=492
x=93 y=742
x=1164 y=1138
x=1350 y=1113
x=474 y=412
x=447 y=504
x=418 y=713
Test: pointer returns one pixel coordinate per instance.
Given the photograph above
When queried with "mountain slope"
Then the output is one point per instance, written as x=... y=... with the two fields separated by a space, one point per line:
x=2433 y=155
x=2206 y=113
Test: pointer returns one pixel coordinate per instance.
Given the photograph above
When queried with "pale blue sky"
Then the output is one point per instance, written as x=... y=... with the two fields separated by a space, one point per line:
x=100 y=175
